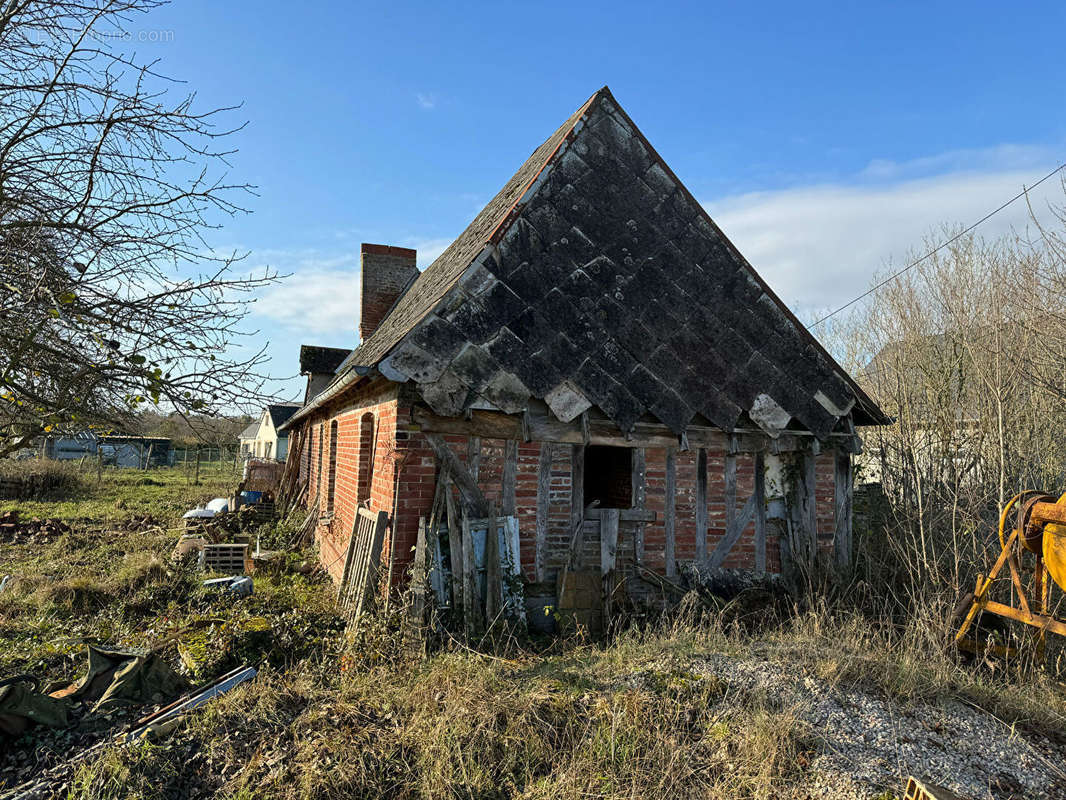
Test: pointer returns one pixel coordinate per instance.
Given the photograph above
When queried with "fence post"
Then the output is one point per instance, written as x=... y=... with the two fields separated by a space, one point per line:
x=197 y=481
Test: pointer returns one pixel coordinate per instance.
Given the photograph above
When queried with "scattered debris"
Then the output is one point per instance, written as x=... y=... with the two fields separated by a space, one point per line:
x=163 y=721
x=37 y=531
x=22 y=705
x=240 y=585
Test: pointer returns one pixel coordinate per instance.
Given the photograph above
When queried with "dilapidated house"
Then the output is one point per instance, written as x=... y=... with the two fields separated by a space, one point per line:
x=593 y=352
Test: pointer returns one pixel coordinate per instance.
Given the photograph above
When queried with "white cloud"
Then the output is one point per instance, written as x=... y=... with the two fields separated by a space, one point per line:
x=321 y=294
x=819 y=246
x=426 y=101
x=316 y=300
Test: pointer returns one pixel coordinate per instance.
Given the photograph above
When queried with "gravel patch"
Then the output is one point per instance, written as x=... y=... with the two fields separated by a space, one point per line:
x=869 y=744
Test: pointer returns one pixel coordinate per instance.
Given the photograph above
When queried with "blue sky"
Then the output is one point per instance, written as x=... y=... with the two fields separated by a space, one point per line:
x=826 y=139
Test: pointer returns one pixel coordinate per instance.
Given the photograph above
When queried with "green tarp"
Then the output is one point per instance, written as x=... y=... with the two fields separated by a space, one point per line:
x=120 y=677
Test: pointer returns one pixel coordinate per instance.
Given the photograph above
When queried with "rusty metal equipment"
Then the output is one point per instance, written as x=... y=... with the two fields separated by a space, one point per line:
x=1037 y=538
x=916 y=790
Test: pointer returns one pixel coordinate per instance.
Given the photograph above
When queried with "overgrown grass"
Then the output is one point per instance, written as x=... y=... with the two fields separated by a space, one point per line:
x=369 y=716
x=102 y=582
x=119 y=493
x=614 y=722
x=640 y=717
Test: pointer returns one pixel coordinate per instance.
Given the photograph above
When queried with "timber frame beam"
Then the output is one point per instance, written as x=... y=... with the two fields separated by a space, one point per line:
x=538 y=424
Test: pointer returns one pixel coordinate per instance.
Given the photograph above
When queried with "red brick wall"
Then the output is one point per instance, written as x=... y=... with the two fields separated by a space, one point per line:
x=404 y=454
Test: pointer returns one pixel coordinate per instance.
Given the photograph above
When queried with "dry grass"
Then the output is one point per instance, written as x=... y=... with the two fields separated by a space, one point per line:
x=614 y=722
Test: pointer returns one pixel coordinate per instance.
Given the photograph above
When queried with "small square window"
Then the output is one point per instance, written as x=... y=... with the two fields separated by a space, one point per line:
x=609 y=476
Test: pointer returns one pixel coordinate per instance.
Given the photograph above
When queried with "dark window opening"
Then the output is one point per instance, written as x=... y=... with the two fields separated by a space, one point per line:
x=609 y=476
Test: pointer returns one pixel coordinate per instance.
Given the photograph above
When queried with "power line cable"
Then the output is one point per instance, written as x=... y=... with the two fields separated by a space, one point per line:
x=938 y=248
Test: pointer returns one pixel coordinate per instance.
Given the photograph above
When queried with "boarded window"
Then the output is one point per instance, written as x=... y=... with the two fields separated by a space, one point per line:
x=331 y=486
x=366 y=456
x=609 y=476
x=318 y=467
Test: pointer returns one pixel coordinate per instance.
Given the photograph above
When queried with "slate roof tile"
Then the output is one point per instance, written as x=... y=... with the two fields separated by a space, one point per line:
x=602 y=269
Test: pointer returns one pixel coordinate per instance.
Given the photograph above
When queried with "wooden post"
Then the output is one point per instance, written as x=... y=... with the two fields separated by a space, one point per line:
x=803 y=542
x=196 y=482
x=544 y=479
x=471 y=597
x=640 y=500
x=669 y=514
x=455 y=546
x=608 y=554
x=493 y=583
x=760 y=513
x=810 y=503
x=730 y=489
x=842 y=499
x=577 y=484
x=701 y=506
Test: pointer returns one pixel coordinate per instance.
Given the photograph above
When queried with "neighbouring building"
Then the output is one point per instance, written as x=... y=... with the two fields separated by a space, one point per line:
x=592 y=335
x=320 y=365
x=263 y=439
x=117 y=450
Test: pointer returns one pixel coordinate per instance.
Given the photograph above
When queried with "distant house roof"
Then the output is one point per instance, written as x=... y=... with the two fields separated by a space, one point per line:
x=594 y=277
x=251 y=431
x=280 y=413
x=316 y=360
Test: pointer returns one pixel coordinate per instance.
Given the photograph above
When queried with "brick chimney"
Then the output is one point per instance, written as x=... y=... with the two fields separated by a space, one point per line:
x=387 y=271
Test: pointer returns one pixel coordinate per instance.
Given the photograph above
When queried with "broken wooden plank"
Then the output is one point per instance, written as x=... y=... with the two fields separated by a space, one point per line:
x=760 y=513
x=810 y=502
x=701 y=506
x=455 y=547
x=464 y=480
x=608 y=539
x=511 y=564
x=608 y=553
x=544 y=479
x=493 y=584
x=669 y=513
x=640 y=501
x=577 y=484
x=842 y=505
x=349 y=558
x=472 y=608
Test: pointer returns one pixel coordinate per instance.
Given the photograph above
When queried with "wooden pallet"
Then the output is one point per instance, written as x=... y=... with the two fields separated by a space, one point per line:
x=359 y=579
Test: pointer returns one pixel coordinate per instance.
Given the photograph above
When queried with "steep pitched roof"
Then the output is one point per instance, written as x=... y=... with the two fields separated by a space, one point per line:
x=595 y=278
x=280 y=413
x=316 y=360
x=251 y=431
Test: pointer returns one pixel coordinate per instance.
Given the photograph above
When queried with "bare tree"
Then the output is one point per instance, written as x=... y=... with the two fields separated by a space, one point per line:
x=111 y=297
x=965 y=351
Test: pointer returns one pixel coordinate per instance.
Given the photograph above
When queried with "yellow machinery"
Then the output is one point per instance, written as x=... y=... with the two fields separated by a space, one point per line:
x=1040 y=530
